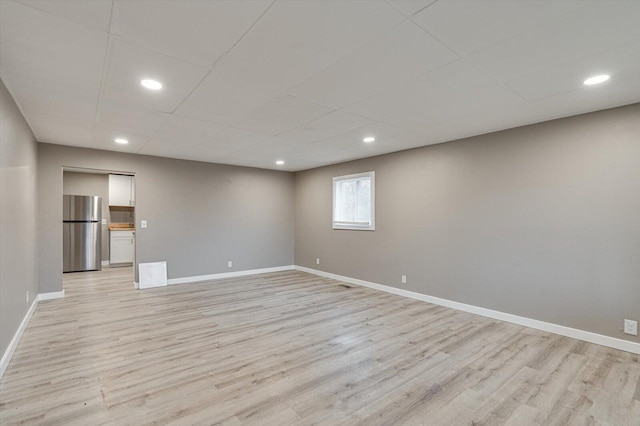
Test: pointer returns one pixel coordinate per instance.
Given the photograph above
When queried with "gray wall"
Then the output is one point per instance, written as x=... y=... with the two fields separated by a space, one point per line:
x=74 y=183
x=540 y=221
x=18 y=272
x=200 y=215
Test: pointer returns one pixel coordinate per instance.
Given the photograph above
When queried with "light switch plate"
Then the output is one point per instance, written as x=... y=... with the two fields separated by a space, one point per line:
x=104 y=221
x=143 y=224
x=631 y=327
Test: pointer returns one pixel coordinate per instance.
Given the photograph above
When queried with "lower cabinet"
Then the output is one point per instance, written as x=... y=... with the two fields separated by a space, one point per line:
x=121 y=247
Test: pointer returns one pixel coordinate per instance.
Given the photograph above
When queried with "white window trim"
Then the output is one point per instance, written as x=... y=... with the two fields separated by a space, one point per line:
x=355 y=226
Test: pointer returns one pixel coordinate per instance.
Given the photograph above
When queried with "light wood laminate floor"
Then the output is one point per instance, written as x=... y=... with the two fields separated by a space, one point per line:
x=293 y=348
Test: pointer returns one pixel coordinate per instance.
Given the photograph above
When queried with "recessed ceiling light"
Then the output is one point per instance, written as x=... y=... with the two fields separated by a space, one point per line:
x=368 y=139
x=280 y=162
x=596 y=79
x=121 y=141
x=151 y=84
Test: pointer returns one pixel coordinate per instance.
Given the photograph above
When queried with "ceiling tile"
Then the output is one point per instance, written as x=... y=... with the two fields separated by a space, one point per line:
x=263 y=154
x=568 y=76
x=403 y=53
x=182 y=152
x=285 y=113
x=58 y=132
x=471 y=26
x=275 y=146
x=53 y=67
x=435 y=96
x=104 y=140
x=232 y=139
x=244 y=161
x=54 y=103
x=266 y=151
x=387 y=138
x=305 y=81
x=622 y=89
x=346 y=146
x=95 y=13
x=502 y=111
x=195 y=31
x=411 y=7
x=233 y=146
x=439 y=103
x=117 y=119
x=321 y=154
x=227 y=146
x=224 y=99
x=324 y=127
x=185 y=131
x=129 y=64
x=591 y=30
x=297 y=39
x=190 y=139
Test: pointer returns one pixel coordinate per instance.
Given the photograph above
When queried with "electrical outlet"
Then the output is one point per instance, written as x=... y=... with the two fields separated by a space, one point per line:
x=317 y=260
x=104 y=221
x=27 y=296
x=229 y=264
x=143 y=223
x=403 y=279
x=631 y=327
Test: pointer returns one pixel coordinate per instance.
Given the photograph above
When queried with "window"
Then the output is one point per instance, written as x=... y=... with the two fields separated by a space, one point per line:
x=353 y=202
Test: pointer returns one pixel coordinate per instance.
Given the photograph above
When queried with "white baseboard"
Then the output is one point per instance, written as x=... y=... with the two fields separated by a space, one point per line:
x=105 y=263
x=6 y=358
x=587 y=336
x=197 y=278
x=184 y=280
x=50 y=296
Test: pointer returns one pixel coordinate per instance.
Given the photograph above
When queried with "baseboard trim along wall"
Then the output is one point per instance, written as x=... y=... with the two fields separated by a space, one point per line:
x=105 y=263
x=211 y=277
x=50 y=296
x=233 y=274
x=587 y=336
x=6 y=357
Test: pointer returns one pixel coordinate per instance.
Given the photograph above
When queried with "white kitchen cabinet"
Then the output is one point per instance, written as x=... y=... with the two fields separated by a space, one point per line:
x=121 y=190
x=121 y=247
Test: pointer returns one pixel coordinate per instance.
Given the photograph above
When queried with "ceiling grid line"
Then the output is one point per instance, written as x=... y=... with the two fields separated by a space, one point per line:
x=228 y=52
x=30 y=6
x=103 y=78
x=245 y=81
x=216 y=63
x=220 y=58
x=346 y=57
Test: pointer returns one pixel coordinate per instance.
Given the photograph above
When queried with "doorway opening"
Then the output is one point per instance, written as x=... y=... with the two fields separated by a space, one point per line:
x=99 y=222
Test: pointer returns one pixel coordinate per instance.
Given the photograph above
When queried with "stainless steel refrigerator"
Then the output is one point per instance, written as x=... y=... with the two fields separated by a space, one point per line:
x=82 y=233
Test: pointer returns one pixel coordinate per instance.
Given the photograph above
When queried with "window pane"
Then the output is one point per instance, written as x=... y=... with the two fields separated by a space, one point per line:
x=346 y=201
x=363 y=204
x=353 y=201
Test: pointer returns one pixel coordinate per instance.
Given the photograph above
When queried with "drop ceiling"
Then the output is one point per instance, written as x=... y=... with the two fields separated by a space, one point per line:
x=252 y=82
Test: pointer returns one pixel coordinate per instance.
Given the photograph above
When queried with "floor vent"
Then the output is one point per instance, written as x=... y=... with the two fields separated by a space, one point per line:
x=152 y=274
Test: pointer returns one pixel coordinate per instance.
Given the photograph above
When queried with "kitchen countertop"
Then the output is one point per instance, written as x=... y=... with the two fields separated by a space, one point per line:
x=121 y=227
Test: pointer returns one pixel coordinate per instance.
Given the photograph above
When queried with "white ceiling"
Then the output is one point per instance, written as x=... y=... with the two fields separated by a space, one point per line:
x=251 y=82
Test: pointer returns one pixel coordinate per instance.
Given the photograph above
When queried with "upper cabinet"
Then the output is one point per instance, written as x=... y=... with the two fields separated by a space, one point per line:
x=121 y=190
